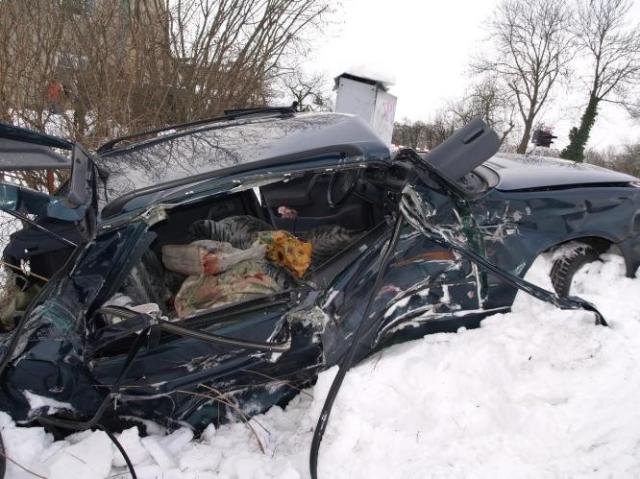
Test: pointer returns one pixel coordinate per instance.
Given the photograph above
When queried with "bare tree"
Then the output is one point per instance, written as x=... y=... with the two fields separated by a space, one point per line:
x=307 y=91
x=626 y=159
x=94 y=70
x=422 y=135
x=612 y=45
x=490 y=101
x=410 y=134
x=130 y=66
x=633 y=108
x=485 y=99
x=31 y=34
x=532 y=49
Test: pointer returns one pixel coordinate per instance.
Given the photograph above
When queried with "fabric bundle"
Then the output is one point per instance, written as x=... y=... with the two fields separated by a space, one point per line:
x=221 y=272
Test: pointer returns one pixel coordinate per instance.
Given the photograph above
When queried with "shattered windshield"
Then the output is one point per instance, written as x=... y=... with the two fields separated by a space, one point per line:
x=225 y=145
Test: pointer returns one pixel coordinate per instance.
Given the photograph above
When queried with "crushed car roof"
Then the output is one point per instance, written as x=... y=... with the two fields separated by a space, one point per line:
x=236 y=146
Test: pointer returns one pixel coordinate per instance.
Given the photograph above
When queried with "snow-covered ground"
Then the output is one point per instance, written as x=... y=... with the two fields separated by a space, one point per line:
x=534 y=393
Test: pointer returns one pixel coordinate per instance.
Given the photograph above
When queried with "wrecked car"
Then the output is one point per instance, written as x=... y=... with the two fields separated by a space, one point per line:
x=208 y=271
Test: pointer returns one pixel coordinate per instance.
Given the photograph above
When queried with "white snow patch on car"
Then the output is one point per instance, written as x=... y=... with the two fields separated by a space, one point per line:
x=38 y=403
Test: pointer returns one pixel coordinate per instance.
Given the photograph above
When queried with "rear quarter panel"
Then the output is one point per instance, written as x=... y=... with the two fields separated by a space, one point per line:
x=518 y=226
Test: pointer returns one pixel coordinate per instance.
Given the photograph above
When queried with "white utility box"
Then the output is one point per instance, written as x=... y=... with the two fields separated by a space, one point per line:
x=369 y=99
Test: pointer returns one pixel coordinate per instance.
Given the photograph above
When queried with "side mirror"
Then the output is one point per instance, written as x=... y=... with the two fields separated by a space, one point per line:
x=21 y=199
x=79 y=190
x=75 y=201
x=462 y=152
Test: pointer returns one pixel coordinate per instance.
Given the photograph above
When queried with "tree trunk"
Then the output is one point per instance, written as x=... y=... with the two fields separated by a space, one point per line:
x=506 y=133
x=526 y=136
x=79 y=121
x=578 y=137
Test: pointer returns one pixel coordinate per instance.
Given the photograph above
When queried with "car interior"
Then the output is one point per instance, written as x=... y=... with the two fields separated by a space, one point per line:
x=335 y=211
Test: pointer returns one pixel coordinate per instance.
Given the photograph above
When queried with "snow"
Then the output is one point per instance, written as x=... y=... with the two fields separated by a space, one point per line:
x=89 y=458
x=50 y=406
x=534 y=393
x=385 y=76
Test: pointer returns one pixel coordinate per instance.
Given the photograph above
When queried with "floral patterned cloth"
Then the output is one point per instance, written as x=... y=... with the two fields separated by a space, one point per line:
x=286 y=250
x=241 y=282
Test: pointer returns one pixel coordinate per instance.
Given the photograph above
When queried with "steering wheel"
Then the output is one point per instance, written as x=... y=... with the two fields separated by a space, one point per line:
x=341 y=186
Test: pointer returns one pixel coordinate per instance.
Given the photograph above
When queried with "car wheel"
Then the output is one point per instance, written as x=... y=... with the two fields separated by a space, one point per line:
x=564 y=268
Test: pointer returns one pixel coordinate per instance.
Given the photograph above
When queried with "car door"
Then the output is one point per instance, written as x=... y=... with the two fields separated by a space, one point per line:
x=26 y=150
x=425 y=287
x=39 y=231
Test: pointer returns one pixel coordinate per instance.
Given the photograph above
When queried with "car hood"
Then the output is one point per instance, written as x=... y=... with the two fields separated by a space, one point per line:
x=520 y=172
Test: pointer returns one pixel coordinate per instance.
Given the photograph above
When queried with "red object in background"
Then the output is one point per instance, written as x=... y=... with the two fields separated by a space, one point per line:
x=54 y=91
x=51 y=182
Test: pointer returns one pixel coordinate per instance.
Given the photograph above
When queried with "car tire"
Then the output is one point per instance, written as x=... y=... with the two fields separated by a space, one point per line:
x=564 y=269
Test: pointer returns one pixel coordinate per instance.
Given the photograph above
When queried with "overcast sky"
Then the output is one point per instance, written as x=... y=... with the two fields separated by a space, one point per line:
x=426 y=47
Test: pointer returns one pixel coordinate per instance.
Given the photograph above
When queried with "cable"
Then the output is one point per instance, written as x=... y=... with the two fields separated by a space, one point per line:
x=19 y=269
x=169 y=327
x=412 y=214
x=350 y=355
x=82 y=425
x=13 y=343
x=120 y=448
x=28 y=220
x=94 y=421
x=3 y=458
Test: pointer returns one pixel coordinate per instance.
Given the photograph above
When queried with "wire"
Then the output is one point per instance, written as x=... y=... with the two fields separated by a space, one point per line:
x=28 y=220
x=13 y=343
x=280 y=347
x=3 y=459
x=414 y=220
x=94 y=421
x=120 y=448
x=82 y=425
x=169 y=327
x=350 y=354
x=28 y=273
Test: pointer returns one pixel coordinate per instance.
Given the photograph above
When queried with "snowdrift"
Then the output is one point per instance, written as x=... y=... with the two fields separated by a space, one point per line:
x=535 y=393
